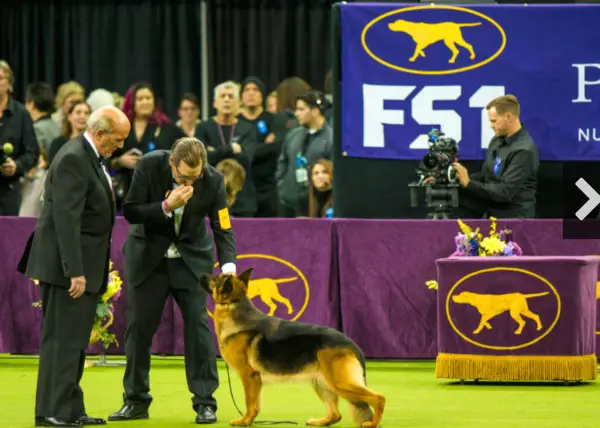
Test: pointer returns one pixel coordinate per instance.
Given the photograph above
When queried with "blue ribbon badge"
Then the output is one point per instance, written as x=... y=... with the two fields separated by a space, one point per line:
x=151 y=146
x=497 y=166
x=262 y=127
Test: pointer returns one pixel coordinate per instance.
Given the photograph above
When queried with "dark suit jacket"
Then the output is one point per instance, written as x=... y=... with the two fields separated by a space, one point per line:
x=73 y=233
x=155 y=138
x=152 y=232
x=245 y=204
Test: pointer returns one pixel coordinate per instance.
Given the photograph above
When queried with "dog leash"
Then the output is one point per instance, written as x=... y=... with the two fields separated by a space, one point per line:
x=240 y=412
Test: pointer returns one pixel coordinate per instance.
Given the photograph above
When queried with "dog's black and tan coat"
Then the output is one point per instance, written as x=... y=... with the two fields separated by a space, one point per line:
x=263 y=349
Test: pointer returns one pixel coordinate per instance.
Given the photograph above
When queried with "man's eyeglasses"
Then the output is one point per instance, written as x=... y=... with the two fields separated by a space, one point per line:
x=188 y=177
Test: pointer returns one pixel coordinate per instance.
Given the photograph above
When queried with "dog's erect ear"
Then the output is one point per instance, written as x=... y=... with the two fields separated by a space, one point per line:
x=245 y=276
x=206 y=282
x=227 y=285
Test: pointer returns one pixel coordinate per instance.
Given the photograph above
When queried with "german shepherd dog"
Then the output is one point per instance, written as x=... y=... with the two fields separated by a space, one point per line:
x=263 y=349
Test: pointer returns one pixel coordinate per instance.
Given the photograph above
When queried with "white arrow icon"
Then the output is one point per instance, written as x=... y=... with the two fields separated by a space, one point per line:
x=594 y=199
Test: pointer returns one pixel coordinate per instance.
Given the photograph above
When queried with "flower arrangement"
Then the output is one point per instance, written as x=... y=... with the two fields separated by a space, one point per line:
x=104 y=309
x=471 y=243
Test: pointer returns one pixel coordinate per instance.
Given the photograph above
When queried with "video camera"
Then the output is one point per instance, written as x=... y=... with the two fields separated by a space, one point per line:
x=437 y=164
x=438 y=176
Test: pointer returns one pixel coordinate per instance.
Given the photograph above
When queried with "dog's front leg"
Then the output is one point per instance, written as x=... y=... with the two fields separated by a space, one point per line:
x=252 y=389
x=483 y=323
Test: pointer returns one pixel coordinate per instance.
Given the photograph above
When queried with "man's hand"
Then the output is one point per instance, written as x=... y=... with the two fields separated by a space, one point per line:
x=237 y=149
x=9 y=168
x=77 y=287
x=462 y=174
x=128 y=160
x=429 y=180
x=270 y=138
x=179 y=197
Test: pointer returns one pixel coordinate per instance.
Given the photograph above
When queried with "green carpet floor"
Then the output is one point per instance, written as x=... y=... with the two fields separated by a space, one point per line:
x=414 y=398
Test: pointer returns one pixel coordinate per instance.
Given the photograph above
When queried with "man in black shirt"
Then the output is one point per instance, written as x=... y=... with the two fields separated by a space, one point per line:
x=19 y=149
x=506 y=185
x=225 y=136
x=270 y=131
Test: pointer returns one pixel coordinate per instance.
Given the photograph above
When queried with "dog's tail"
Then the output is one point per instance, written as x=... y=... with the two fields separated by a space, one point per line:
x=474 y=24
x=527 y=296
x=279 y=281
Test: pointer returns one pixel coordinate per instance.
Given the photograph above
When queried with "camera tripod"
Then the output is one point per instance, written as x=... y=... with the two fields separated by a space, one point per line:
x=440 y=200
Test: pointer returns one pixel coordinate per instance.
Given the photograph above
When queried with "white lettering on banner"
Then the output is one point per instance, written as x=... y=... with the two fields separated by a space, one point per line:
x=449 y=121
x=422 y=111
x=375 y=115
x=589 y=134
x=582 y=83
x=480 y=99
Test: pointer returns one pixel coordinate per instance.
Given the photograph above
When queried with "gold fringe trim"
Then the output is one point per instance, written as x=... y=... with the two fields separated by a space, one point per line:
x=511 y=367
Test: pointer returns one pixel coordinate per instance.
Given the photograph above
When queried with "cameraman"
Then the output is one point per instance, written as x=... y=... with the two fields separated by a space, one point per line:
x=506 y=185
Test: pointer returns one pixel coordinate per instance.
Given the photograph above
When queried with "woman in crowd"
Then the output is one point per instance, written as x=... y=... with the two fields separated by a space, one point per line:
x=189 y=114
x=151 y=130
x=320 y=196
x=73 y=125
x=271 y=103
x=67 y=94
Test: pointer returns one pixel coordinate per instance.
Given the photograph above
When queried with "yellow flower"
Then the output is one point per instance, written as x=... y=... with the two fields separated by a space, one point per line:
x=464 y=228
x=432 y=285
x=114 y=284
x=493 y=233
x=492 y=246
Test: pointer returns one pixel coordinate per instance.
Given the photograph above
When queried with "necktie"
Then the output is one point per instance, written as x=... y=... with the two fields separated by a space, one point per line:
x=105 y=171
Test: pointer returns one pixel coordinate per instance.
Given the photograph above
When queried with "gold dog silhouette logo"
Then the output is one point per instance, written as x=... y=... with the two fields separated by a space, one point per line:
x=485 y=319
x=427 y=34
x=492 y=305
x=277 y=286
x=424 y=36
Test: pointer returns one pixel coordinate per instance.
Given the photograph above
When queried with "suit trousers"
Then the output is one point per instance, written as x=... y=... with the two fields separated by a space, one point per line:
x=67 y=325
x=146 y=303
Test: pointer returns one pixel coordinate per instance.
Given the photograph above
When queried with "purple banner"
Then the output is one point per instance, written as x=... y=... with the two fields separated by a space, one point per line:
x=408 y=68
x=517 y=305
x=380 y=297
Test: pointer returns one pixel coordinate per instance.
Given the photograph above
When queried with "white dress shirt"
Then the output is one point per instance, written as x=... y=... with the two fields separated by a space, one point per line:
x=88 y=138
x=172 y=251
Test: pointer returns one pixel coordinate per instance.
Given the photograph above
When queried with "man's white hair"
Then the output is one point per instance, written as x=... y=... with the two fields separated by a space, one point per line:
x=99 y=120
x=230 y=84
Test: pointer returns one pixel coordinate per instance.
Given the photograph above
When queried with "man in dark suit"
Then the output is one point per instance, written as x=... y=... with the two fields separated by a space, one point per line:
x=167 y=250
x=69 y=255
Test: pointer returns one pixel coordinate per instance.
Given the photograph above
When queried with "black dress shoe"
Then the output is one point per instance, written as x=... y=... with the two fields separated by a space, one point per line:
x=129 y=412
x=88 y=420
x=206 y=415
x=56 y=422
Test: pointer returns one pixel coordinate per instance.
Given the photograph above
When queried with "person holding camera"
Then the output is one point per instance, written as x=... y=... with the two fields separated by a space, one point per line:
x=506 y=185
